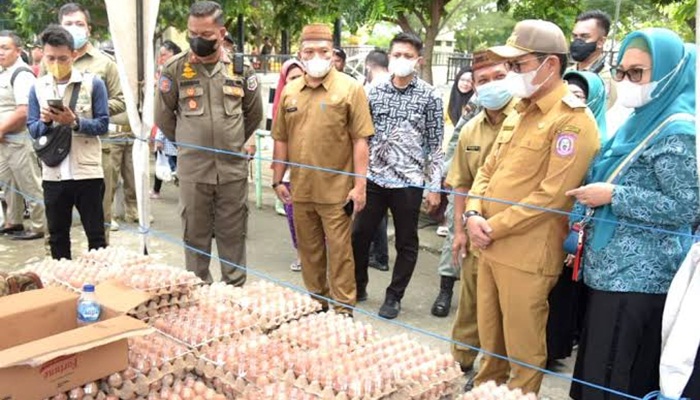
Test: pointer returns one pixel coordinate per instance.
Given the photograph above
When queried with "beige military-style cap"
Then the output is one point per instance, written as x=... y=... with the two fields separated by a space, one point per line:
x=533 y=36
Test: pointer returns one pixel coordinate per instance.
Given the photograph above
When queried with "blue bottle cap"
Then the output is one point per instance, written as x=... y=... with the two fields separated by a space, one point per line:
x=88 y=287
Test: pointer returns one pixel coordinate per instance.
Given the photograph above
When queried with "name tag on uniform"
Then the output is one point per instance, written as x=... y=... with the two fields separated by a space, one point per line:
x=291 y=109
x=473 y=148
x=508 y=127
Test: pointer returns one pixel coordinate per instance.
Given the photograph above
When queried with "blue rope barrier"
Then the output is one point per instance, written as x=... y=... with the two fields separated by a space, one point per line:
x=446 y=191
x=168 y=238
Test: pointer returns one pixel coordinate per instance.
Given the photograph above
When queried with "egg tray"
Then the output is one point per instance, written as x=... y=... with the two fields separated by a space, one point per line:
x=269 y=323
x=445 y=385
x=160 y=305
x=232 y=387
x=266 y=320
x=317 y=389
x=185 y=359
x=89 y=391
x=284 y=333
x=199 y=343
x=135 y=384
x=214 y=369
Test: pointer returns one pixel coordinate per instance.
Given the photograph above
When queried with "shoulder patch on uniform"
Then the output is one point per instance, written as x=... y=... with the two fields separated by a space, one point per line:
x=252 y=83
x=565 y=144
x=165 y=84
x=573 y=101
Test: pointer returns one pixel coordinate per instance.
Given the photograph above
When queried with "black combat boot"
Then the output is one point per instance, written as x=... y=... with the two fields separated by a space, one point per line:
x=441 y=307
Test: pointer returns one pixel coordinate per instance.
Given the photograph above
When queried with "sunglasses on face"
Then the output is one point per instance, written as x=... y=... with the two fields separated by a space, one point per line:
x=634 y=74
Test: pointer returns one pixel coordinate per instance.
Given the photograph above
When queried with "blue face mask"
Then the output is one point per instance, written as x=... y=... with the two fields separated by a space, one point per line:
x=80 y=36
x=493 y=95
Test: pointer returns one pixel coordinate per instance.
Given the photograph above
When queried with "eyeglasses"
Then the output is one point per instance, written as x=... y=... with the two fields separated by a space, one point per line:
x=516 y=66
x=634 y=74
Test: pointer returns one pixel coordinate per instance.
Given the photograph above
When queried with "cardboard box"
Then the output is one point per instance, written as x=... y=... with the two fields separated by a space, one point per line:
x=43 y=352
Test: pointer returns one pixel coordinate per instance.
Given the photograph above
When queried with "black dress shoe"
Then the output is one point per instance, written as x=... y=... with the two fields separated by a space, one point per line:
x=470 y=375
x=362 y=295
x=390 y=309
x=379 y=266
x=28 y=235
x=12 y=228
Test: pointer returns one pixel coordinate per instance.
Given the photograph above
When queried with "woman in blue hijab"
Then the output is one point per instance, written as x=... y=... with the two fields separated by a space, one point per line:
x=642 y=218
x=590 y=88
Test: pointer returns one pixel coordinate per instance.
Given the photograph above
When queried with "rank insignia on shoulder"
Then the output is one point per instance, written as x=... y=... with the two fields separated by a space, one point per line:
x=252 y=83
x=165 y=84
x=188 y=72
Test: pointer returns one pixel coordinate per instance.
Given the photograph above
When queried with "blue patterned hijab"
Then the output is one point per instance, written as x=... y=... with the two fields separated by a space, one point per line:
x=673 y=67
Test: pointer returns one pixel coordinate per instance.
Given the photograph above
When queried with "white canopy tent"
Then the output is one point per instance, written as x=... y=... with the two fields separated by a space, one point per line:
x=132 y=24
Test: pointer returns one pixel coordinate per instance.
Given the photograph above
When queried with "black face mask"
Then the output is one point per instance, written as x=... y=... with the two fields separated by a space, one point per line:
x=581 y=50
x=202 y=47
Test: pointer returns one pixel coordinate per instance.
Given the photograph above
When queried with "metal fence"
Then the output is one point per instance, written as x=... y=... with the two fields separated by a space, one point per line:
x=271 y=63
x=455 y=63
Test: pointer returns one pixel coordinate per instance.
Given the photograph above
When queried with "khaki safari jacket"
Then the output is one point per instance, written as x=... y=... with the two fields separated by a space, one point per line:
x=541 y=152
x=320 y=126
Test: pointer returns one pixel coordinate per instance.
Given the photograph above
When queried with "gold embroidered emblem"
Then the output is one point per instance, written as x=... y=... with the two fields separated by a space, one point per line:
x=188 y=72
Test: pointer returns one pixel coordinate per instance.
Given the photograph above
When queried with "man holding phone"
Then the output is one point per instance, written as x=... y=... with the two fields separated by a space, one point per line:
x=78 y=180
x=76 y=20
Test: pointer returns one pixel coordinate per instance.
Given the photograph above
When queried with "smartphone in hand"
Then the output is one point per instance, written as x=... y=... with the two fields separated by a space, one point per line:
x=55 y=105
x=349 y=208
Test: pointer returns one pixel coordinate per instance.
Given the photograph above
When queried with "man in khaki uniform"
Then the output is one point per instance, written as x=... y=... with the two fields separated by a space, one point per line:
x=323 y=120
x=17 y=160
x=204 y=100
x=589 y=36
x=475 y=142
x=540 y=153
x=76 y=19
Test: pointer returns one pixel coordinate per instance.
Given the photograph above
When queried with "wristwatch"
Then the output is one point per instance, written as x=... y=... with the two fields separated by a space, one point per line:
x=76 y=124
x=275 y=184
x=469 y=214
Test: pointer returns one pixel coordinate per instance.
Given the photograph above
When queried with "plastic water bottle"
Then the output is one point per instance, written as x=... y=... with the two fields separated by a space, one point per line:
x=88 y=308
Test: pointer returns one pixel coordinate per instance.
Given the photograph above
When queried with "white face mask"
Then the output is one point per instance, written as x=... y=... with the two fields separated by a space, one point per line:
x=634 y=95
x=521 y=85
x=402 y=67
x=318 y=67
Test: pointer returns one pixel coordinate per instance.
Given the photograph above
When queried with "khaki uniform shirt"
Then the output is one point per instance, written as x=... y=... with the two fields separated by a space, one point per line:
x=102 y=65
x=542 y=151
x=475 y=142
x=319 y=125
x=601 y=68
x=216 y=110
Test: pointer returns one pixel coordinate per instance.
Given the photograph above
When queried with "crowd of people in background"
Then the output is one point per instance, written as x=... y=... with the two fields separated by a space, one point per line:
x=523 y=136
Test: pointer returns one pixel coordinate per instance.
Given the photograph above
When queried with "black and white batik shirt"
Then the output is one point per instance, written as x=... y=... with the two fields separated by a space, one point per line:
x=407 y=143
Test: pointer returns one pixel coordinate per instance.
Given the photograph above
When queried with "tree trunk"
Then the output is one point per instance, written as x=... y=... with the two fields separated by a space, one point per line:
x=428 y=45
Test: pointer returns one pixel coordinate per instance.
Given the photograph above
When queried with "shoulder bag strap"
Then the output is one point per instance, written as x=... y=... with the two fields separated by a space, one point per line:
x=634 y=154
x=74 y=96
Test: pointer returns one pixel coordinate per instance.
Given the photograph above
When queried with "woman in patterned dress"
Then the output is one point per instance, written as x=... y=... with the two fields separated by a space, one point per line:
x=636 y=242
